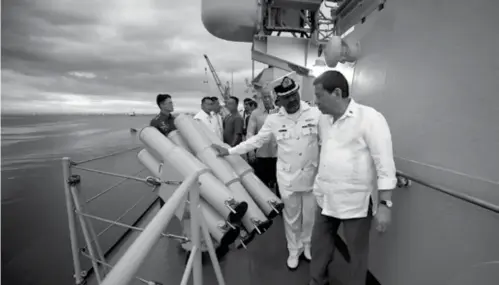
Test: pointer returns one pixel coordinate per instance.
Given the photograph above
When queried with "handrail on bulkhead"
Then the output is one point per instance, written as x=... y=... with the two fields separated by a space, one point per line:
x=462 y=196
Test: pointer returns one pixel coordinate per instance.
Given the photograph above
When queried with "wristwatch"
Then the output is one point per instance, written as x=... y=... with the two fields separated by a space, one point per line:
x=387 y=203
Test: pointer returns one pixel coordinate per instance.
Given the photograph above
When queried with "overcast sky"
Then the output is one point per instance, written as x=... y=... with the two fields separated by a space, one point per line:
x=110 y=55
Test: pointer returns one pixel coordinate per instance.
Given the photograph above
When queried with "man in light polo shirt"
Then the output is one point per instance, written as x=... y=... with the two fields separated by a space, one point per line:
x=295 y=129
x=355 y=179
x=264 y=158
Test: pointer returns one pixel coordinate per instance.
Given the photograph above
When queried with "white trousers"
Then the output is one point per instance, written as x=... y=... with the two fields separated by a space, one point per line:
x=298 y=215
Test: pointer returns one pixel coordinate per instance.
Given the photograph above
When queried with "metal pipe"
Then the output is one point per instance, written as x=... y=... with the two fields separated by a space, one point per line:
x=252 y=70
x=66 y=173
x=465 y=197
x=211 y=251
x=111 y=267
x=128 y=265
x=346 y=7
x=188 y=266
x=73 y=181
x=90 y=227
x=197 y=273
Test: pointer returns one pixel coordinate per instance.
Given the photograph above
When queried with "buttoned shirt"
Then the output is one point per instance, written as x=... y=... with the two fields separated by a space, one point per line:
x=297 y=142
x=256 y=121
x=356 y=160
x=211 y=121
x=224 y=112
x=164 y=123
x=219 y=122
x=246 y=117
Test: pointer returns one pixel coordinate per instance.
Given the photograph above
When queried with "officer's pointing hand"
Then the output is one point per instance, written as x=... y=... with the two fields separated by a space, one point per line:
x=222 y=151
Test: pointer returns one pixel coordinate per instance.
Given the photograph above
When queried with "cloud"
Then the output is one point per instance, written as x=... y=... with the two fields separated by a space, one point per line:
x=110 y=56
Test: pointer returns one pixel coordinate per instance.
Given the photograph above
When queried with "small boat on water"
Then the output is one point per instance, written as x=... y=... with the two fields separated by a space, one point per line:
x=405 y=58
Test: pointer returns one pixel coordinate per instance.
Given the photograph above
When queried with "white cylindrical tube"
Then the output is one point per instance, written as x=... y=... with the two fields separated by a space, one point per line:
x=270 y=204
x=223 y=232
x=212 y=190
x=150 y=162
x=177 y=139
x=254 y=219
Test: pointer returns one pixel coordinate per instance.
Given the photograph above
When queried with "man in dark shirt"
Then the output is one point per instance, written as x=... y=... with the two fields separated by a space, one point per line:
x=233 y=123
x=246 y=113
x=164 y=120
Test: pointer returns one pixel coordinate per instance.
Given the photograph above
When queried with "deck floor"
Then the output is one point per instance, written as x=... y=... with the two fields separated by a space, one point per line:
x=262 y=263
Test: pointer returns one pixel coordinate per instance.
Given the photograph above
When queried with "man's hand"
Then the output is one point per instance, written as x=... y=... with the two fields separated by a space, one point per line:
x=222 y=151
x=251 y=156
x=383 y=218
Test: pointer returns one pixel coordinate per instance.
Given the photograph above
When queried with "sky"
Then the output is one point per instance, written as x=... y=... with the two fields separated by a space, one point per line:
x=112 y=56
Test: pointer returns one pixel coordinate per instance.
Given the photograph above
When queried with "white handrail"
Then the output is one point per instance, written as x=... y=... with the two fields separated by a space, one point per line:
x=127 y=266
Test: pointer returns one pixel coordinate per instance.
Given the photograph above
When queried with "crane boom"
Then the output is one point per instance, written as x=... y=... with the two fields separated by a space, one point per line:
x=224 y=91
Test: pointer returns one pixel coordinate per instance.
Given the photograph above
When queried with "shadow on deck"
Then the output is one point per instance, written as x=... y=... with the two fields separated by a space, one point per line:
x=262 y=263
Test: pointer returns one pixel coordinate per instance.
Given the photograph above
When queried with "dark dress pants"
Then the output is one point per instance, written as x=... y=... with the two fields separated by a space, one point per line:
x=265 y=169
x=356 y=233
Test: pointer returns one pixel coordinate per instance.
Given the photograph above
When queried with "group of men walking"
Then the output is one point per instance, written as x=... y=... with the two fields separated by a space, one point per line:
x=334 y=167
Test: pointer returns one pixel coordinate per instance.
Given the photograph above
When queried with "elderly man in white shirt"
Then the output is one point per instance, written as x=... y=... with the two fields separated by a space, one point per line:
x=208 y=117
x=295 y=129
x=355 y=179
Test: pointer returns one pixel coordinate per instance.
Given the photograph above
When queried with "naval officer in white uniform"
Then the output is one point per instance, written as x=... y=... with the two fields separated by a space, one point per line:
x=295 y=129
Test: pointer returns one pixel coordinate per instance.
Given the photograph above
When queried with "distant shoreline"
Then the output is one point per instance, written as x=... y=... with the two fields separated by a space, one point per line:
x=81 y=114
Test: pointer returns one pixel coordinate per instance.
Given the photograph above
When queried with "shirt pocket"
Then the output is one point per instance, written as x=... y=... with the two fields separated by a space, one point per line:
x=306 y=176
x=309 y=131
x=283 y=174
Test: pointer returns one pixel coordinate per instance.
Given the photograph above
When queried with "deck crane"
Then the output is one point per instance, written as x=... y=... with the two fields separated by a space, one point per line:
x=224 y=90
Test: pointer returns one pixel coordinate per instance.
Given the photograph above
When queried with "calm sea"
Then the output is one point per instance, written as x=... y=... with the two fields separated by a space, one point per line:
x=35 y=239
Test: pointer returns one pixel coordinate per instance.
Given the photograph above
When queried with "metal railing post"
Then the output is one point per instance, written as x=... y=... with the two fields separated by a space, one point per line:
x=124 y=271
x=87 y=223
x=66 y=173
x=197 y=273
x=73 y=181
x=90 y=227
x=188 y=266
x=212 y=252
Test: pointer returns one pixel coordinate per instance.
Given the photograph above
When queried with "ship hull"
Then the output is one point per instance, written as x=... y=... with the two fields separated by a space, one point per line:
x=432 y=68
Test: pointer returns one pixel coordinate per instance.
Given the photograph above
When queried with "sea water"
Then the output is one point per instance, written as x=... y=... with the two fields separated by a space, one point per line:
x=35 y=236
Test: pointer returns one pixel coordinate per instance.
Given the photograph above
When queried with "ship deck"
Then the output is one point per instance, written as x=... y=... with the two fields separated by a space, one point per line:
x=262 y=263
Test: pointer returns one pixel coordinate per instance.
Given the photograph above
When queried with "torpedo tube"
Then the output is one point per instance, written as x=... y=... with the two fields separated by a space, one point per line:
x=211 y=189
x=263 y=196
x=223 y=232
x=254 y=219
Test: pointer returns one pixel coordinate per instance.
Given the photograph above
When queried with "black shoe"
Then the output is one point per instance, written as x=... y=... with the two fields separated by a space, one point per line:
x=303 y=257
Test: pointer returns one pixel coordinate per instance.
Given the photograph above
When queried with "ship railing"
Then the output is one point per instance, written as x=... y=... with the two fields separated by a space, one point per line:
x=405 y=180
x=127 y=266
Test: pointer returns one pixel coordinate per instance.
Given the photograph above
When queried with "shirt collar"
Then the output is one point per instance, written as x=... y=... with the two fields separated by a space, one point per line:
x=351 y=111
x=161 y=114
